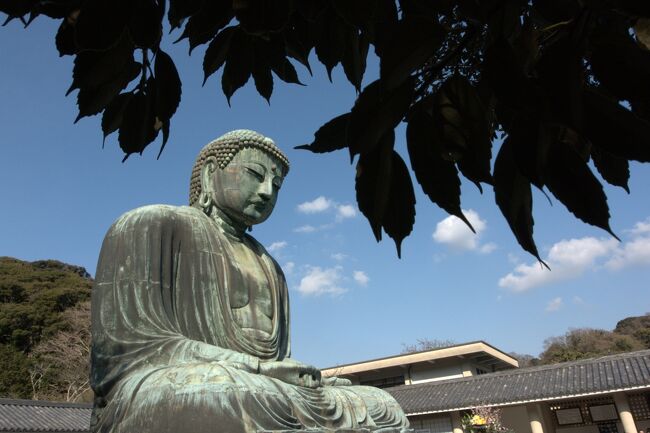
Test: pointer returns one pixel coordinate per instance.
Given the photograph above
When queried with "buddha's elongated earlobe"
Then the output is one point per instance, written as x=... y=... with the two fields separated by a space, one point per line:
x=205 y=197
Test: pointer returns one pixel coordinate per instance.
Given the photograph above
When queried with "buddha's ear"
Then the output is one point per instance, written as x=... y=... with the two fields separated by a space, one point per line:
x=207 y=171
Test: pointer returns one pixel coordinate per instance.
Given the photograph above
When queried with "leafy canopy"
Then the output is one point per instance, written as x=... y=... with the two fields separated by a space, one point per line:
x=564 y=82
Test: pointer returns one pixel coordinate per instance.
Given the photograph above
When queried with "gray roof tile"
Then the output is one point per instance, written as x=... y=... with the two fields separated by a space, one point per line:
x=589 y=376
x=43 y=416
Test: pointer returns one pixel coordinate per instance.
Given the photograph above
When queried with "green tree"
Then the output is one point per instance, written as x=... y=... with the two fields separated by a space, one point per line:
x=14 y=373
x=586 y=343
x=564 y=82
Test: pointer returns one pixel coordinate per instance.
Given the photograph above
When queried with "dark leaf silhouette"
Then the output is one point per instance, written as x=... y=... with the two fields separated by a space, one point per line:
x=565 y=82
x=414 y=41
x=463 y=128
x=571 y=181
x=616 y=129
x=168 y=87
x=101 y=24
x=373 y=182
x=114 y=113
x=239 y=63
x=615 y=170
x=329 y=137
x=436 y=175
x=330 y=38
x=138 y=127
x=513 y=196
x=217 y=52
x=204 y=25
x=400 y=215
x=375 y=113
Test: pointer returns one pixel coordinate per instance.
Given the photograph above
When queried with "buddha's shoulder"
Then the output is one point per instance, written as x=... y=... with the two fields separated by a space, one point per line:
x=158 y=215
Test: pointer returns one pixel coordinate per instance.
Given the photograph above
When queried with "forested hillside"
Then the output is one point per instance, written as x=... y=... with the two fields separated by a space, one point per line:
x=44 y=329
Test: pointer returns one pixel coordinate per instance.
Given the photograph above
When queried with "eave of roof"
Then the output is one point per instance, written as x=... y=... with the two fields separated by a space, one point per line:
x=422 y=356
x=43 y=416
x=590 y=377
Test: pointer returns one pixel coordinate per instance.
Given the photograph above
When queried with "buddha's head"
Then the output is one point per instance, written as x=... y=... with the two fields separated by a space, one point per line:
x=239 y=174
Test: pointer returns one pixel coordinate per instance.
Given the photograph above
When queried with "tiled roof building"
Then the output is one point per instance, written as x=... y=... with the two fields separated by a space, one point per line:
x=30 y=416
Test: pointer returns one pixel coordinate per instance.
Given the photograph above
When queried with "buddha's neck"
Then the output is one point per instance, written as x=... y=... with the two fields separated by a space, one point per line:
x=228 y=225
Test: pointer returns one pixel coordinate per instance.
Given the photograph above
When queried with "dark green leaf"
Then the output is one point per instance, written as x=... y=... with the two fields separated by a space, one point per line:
x=437 y=176
x=399 y=216
x=513 y=196
x=262 y=16
x=168 y=86
x=145 y=24
x=262 y=70
x=354 y=57
x=285 y=71
x=217 y=52
x=615 y=129
x=329 y=137
x=373 y=182
x=93 y=68
x=298 y=42
x=466 y=128
x=114 y=112
x=204 y=25
x=375 y=113
x=181 y=9
x=239 y=63
x=356 y=13
x=571 y=181
x=330 y=39
x=615 y=170
x=413 y=42
x=165 y=131
x=101 y=24
x=92 y=100
x=138 y=127
x=65 y=43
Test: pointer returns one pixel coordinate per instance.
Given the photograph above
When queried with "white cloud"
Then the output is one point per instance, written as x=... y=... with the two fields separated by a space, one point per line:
x=289 y=267
x=339 y=257
x=554 y=305
x=277 y=246
x=568 y=259
x=633 y=253
x=571 y=258
x=578 y=300
x=641 y=228
x=361 y=278
x=454 y=233
x=305 y=229
x=344 y=211
x=320 y=281
x=319 y=204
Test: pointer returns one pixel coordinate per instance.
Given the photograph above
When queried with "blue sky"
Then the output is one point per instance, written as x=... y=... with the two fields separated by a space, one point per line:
x=352 y=299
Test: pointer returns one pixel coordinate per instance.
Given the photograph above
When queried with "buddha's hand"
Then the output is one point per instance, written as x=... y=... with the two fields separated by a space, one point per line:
x=292 y=372
x=335 y=381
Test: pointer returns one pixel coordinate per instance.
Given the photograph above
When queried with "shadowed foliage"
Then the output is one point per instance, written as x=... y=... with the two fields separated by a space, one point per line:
x=40 y=303
x=564 y=82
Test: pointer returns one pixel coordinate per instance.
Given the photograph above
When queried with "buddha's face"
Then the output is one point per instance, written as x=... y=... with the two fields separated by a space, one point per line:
x=247 y=188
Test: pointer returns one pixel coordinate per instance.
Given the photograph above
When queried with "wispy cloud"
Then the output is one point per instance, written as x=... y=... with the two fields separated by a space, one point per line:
x=454 y=233
x=361 y=278
x=323 y=204
x=289 y=267
x=305 y=229
x=318 y=281
x=339 y=257
x=319 y=204
x=554 y=305
x=277 y=246
x=572 y=258
x=345 y=211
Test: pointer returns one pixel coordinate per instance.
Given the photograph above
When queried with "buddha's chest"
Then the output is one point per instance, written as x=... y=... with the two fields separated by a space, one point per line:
x=250 y=286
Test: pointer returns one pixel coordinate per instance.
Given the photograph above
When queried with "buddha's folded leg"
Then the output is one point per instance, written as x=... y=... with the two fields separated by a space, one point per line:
x=211 y=397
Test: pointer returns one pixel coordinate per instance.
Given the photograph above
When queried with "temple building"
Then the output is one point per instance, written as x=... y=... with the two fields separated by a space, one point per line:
x=610 y=394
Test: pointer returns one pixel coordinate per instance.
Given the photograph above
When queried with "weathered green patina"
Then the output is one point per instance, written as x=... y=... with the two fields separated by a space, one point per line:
x=190 y=316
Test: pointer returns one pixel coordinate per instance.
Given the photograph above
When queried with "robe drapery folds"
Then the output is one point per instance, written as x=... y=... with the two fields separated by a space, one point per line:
x=167 y=354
